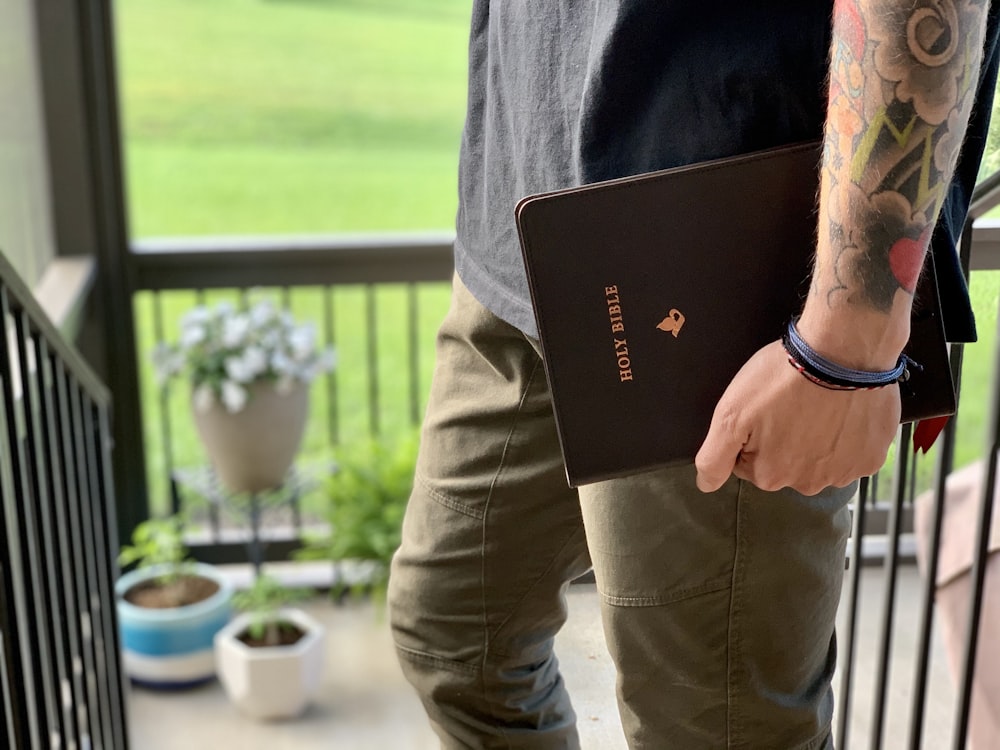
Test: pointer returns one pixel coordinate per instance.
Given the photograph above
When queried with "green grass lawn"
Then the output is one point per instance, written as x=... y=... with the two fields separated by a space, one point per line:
x=304 y=116
x=979 y=369
x=289 y=116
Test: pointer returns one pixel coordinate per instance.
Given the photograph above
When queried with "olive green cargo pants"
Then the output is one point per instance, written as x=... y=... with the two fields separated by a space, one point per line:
x=718 y=609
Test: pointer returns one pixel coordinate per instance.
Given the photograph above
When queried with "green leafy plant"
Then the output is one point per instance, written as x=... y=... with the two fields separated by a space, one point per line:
x=158 y=541
x=262 y=601
x=368 y=493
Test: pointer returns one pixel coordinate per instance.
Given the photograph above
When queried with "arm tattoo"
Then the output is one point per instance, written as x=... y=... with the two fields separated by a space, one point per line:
x=902 y=83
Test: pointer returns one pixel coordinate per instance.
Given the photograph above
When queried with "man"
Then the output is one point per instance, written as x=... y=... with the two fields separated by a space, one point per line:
x=719 y=580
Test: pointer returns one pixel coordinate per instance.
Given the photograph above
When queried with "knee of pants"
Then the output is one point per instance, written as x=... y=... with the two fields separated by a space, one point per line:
x=435 y=594
x=463 y=580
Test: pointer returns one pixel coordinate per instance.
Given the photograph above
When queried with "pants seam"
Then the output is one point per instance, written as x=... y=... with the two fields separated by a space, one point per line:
x=531 y=588
x=436 y=661
x=714 y=585
x=733 y=650
x=447 y=501
x=486 y=507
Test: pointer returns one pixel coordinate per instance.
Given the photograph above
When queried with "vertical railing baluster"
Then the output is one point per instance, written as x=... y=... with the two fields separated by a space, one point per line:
x=112 y=636
x=850 y=637
x=893 y=530
x=79 y=501
x=372 y=340
x=8 y=720
x=104 y=570
x=294 y=501
x=166 y=418
x=329 y=325
x=943 y=467
x=414 y=351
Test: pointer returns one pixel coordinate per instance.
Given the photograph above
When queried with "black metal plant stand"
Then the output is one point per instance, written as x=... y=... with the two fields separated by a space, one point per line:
x=251 y=506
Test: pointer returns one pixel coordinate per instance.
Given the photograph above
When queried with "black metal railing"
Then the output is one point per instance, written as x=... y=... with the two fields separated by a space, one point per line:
x=344 y=281
x=900 y=501
x=61 y=682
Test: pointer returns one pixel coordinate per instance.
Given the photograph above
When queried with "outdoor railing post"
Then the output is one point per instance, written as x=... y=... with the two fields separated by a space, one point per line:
x=330 y=338
x=850 y=637
x=414 y=352
x=894 y=528
x=372 y=338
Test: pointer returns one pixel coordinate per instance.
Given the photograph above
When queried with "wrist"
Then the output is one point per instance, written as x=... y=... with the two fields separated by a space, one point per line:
x=823 y=372
x=856 y=338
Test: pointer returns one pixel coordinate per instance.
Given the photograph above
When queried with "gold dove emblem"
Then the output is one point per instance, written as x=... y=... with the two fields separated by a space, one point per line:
x=672 y=323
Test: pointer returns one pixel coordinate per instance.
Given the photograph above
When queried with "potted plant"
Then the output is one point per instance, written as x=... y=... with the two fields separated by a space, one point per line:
x=250 y=372
x=169 y=608
x=367 y=492
x=270 y=657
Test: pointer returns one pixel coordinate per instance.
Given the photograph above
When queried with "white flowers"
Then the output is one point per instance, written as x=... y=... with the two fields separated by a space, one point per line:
x=225 y=350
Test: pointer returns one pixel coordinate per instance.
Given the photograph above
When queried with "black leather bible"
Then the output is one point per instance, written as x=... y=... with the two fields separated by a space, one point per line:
x=650 y=293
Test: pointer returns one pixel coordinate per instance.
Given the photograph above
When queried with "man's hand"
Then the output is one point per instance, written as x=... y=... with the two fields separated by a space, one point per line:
x=775 y=429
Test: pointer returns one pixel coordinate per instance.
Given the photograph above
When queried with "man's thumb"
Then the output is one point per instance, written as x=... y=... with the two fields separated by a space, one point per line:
x=716 y=458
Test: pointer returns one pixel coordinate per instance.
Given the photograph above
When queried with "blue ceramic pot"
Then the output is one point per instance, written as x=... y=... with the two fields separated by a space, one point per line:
x=171 y=648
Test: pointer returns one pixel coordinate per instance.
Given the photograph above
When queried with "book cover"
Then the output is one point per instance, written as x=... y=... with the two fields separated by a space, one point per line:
x=650 y=293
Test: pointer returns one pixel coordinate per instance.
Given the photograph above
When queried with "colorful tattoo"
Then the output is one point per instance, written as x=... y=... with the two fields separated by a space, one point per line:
x=902 y=79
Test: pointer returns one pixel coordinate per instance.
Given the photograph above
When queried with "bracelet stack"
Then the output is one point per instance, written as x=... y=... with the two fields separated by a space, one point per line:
x=827 y=374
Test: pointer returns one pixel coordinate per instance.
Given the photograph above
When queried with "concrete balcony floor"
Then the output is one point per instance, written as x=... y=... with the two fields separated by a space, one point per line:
x=365 y=703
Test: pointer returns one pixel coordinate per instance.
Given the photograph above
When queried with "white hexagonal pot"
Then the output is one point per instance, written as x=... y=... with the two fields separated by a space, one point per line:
x=272 y=682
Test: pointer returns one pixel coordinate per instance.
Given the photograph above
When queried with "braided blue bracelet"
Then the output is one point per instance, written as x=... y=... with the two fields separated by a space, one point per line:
x=831 y=375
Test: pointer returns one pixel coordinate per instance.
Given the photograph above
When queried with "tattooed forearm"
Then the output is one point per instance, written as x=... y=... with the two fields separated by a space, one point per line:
x=902 y=81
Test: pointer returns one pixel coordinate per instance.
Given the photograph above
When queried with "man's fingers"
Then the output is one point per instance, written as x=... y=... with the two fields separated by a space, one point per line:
x=717 y=456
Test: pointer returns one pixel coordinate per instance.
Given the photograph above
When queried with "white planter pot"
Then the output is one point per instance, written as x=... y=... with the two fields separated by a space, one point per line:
x=252 y=449
x=271 y=682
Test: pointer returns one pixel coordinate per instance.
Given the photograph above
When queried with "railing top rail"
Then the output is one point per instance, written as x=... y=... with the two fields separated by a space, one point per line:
x=209 y=262
x=986 y=195
x=25 y=300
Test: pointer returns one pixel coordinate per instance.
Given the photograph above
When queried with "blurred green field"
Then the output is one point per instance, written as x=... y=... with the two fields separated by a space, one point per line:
x=305 y=116
x=290 y=116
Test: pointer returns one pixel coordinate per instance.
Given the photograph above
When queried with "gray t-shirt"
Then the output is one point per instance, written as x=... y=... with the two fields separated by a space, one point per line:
x=567 y=92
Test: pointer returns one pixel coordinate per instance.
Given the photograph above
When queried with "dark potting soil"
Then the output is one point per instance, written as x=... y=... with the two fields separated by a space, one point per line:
x=288 y=634
x=179 y=592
